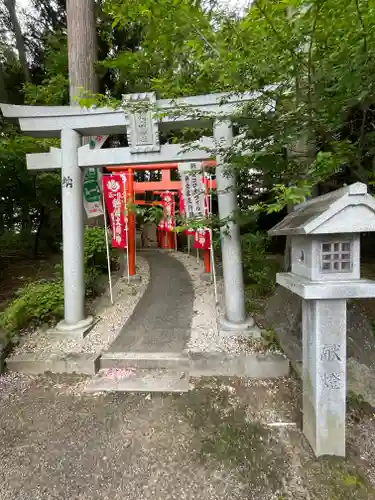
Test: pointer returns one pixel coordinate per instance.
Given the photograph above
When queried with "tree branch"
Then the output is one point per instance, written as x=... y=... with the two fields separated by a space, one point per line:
x=268 y=19
x=309 y=60
x=20 y=41
x=364 y=30
x=284 y=43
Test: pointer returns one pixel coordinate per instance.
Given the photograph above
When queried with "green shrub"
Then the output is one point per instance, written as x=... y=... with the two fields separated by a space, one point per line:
x=37 y=302
x=257 y=268
x=95 y=249
x=42 y=301
x=93 y=285
x=96 y=260
x=95 y=253
x=19 y=243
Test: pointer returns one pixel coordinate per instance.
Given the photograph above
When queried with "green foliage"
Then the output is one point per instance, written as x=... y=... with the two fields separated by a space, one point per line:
x=95 y=250
x=54 y=88
x=95 y=258
x=152 y=214
x=42 y=301
x=270 y=341
x=256 y=268
x=35 y=303
x=175 y=52
x=312 y=60
x=16 y=243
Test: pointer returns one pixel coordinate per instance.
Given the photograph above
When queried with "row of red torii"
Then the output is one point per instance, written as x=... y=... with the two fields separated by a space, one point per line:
x=143 y=117
x=120 y=188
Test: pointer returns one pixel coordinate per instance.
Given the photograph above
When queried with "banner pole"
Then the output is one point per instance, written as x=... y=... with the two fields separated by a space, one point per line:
x=213 y=268
x=107 y=248
x=175 y=225
x=188 y=243
x=126 y=229
x=129 y=176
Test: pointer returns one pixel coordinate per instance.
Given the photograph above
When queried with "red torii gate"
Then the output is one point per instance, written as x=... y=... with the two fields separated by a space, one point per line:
x=165 y=184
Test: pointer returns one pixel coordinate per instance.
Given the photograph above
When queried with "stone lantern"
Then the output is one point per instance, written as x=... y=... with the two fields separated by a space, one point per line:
x=325 y=273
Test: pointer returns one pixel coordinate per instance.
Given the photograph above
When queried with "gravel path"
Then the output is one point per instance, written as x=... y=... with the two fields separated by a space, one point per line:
x=217 y=442
x=204 y=332
x=204 y=335
x=111 y=320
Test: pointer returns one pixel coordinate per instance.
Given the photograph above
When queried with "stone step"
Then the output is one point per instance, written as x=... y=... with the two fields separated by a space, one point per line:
x=125 y=380
x=32 y=363
x=252 y=365
x=145 y=360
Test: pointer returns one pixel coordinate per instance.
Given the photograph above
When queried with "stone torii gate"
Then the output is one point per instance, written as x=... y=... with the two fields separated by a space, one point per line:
x=142 y=127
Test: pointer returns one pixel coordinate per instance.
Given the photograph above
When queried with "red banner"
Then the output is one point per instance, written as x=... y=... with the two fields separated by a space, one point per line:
x=168 y=221
x=202 y=239
x=114 y=188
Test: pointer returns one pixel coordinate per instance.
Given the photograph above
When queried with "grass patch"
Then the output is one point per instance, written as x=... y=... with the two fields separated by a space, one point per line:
x=337 y=479
x=270 y=340
x=266 y=343
x=226 y=436
x=266 y=463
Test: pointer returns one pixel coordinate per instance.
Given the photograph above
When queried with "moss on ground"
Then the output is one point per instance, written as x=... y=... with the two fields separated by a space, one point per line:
x=226 y=436
x=337 y=479
x=264 y=460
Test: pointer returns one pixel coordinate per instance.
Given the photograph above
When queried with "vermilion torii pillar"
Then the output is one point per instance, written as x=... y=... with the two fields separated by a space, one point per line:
x=142 y=127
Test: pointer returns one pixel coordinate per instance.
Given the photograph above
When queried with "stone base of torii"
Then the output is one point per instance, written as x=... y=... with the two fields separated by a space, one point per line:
x=142 y=128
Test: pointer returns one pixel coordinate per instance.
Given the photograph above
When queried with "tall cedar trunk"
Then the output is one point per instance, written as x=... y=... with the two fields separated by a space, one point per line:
x=82 y=47
x=20 y=41
x=305 y=145
x=83 y=53
x=305 y=149
x=3 y=88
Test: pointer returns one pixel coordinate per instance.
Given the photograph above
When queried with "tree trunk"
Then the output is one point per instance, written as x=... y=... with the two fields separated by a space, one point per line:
x=3 y=88
x=20 y=41
x=83 y=54
x=82 y=47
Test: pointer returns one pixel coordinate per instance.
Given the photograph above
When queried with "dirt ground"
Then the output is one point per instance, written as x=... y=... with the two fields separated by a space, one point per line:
x=15 y=272
x=226 y=439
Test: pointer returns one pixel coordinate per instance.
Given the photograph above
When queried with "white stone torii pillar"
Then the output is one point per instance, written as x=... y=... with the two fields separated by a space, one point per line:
x=235 y=318
x=73 y=241
x=142 y=128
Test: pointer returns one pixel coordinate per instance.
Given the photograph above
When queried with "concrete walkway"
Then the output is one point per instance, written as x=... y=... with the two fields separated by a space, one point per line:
x=161 y=320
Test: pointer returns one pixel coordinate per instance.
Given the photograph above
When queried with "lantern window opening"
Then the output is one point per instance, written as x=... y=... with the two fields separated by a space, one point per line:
x=337 y=257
